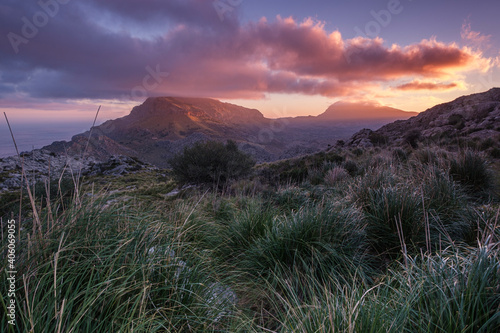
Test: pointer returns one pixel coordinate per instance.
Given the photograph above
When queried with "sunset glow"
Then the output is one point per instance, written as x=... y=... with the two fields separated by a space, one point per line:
x=61 y=59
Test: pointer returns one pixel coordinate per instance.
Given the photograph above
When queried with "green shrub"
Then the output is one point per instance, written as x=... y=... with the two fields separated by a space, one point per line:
x=290 y=198
x=9 y=204
x=315 y=176
x=426 y=156
x=211 y=162
x=455 y=291
x=487 y=143
x=494 y=152
x=250 y=224
x=375 y=178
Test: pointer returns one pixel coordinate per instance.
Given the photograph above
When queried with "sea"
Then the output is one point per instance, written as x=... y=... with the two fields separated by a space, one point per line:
x=31 y=136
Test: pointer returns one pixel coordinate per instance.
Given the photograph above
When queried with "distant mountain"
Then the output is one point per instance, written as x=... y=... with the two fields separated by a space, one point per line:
x=476 y=115
x=344 y=111
x=162 y=126
x=170 y=118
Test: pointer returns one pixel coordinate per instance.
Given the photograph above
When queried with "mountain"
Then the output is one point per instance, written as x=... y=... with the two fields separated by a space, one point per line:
x=162 y=126
x=175 y=118
x=344 y=111
x=472 y=116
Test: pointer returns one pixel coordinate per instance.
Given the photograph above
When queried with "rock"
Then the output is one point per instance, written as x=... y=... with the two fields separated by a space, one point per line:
x=476 y=115
x=40 y=165
x=221 y=300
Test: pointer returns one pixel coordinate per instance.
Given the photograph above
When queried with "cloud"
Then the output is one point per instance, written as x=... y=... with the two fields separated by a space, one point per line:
x=87 y=50
x=418 y=85
x=474 y=37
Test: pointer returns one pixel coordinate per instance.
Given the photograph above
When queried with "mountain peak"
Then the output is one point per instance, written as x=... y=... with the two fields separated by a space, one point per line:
x=196 y=108
x=345 y=110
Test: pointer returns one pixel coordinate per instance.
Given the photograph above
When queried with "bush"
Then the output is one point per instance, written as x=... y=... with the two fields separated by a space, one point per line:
x=426 y=156
x=445 y=205
x=315 y=176
x=377 y=138
x=351 y=167
x=495 y=152
x=456 y=120
x=412 y=138
x=487 y=143
x=211 y=162
x=358 y=152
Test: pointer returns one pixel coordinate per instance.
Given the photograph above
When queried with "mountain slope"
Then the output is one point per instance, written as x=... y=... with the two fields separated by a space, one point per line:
x=162 y=126
x=476 y=115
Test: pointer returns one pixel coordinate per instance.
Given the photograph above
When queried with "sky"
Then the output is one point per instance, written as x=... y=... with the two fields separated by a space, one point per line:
x=61 y=59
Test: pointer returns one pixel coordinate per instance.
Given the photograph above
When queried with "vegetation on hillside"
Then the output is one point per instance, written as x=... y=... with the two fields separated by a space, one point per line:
x=368 y=240
x=211 y=162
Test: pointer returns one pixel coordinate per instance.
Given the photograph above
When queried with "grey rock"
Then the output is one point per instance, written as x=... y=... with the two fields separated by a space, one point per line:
x=42 y=165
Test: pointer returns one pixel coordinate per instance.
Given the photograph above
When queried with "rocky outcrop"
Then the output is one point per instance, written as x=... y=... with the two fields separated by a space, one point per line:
x=476 y=115
x=41 y=165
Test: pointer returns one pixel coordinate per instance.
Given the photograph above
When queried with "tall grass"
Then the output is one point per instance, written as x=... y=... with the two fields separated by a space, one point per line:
x=113 y=270
x=470 y=169
x=456 y=290
x=396 y=246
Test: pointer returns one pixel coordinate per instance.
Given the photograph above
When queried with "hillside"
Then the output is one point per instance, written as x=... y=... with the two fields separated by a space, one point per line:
x=475 y=116
x=403 y=231
x=297 y=246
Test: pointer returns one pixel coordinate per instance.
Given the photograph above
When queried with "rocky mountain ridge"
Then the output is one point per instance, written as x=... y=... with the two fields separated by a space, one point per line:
x=472 y=116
